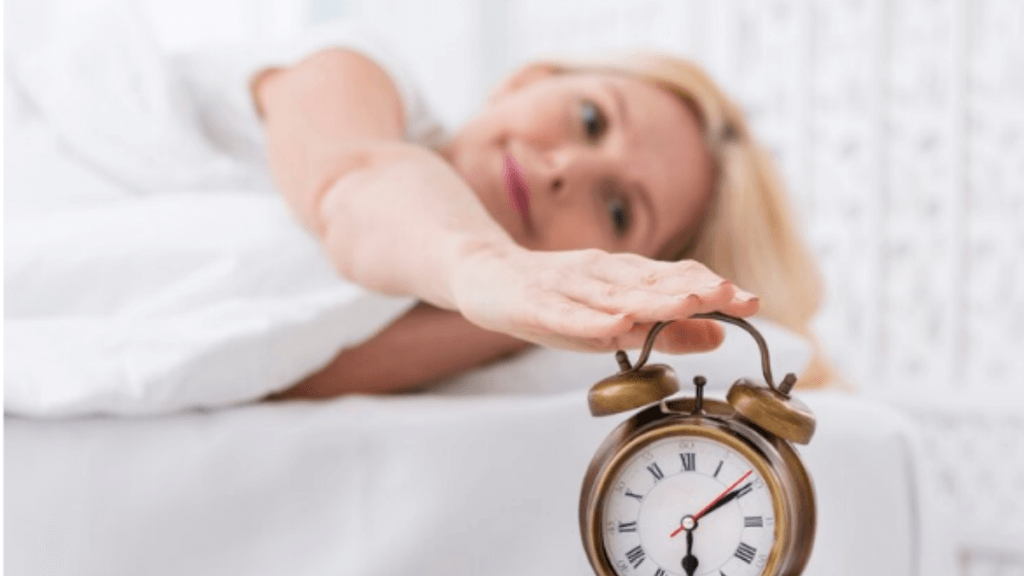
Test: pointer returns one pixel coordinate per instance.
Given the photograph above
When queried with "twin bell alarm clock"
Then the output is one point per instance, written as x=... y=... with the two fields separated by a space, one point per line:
x=696 y=486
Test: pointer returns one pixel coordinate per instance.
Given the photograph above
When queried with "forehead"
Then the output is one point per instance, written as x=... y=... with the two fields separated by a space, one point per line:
x=659 y=146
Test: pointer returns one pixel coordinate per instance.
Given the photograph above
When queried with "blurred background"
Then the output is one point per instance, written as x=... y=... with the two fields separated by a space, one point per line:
x=899 y=127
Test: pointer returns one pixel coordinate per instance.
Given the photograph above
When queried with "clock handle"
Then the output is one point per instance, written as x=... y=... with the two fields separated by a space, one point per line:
x=782 y=388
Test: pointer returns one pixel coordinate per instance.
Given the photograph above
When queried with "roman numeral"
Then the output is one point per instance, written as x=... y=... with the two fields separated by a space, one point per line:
x=753 y=522
x=659 y=572
x=744 y=490
x=631 y=495
x=654 y=469
x=719 y=469
x=636 y=556
x=746 y=552
x=629 y=526
x=689 y=461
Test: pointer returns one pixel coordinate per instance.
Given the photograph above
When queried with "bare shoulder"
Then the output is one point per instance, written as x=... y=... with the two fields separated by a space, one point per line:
x=350 y=65
x=346 y=78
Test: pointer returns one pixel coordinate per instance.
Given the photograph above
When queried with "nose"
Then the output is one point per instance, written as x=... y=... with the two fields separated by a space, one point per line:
x=564 y=170
x=557 y=182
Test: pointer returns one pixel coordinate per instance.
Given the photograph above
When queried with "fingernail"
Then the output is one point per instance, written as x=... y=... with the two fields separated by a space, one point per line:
x=717 y=285
x=744 y=296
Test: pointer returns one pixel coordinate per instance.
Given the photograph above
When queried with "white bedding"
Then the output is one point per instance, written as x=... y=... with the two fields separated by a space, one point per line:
x=382 y=486
x=145 y=277
x=156 y=304
x=149 y=266
x=149 y=270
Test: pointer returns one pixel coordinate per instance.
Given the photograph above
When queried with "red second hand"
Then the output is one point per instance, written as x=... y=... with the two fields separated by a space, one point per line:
x=697 y=516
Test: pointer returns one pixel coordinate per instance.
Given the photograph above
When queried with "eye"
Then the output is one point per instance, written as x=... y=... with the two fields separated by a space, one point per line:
x=619 y=210
x=593 y=120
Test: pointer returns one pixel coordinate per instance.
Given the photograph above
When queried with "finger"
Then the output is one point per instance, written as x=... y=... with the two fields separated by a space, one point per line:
x=727 y=299
x=741 y=303
x=682 y=278
x=643 y=305
x=679 y=306
x=690 y=336
x=576 y=320
x=679 y=337
x=640 y=303
x=668 y=277
x=575 y=344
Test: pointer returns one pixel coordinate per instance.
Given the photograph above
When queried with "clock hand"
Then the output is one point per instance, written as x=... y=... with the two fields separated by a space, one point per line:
x=713 y=502
x=690 y=561
x=729 y=498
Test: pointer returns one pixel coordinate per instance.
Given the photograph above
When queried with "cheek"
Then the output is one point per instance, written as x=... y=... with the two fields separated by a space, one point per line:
x=481 y=129
x=573 y=231
x=475 y=146
x=539 y=117
x=694 y=204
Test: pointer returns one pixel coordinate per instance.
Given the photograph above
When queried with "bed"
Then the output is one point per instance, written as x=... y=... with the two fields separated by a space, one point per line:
x=132 y=450
x=425 y=484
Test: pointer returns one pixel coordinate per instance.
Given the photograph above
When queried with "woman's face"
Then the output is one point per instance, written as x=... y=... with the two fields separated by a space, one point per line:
x=611 y=162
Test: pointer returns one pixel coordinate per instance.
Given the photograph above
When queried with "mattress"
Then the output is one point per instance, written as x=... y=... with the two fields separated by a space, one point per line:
x=424 y=484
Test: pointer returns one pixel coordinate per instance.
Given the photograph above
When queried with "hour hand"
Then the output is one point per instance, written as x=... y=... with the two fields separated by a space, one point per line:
x=690 y=561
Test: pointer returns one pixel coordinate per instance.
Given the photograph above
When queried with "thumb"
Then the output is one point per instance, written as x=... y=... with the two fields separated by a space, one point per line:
x=690 y=336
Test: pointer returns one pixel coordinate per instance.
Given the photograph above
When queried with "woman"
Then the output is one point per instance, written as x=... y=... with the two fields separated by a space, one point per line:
x=642 y=198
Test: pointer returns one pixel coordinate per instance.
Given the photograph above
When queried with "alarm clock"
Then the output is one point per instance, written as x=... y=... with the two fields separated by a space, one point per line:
x=697 y=486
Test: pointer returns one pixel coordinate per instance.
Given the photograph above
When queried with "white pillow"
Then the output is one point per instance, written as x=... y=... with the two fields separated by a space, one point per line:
x=545 y=371
x=163 y=303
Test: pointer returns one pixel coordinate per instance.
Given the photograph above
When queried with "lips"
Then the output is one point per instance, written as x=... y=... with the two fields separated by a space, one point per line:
x=517 y=188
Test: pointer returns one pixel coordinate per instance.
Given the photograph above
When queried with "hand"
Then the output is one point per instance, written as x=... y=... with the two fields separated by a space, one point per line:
x=591 y=300
x=690 y=561
x=723 y=501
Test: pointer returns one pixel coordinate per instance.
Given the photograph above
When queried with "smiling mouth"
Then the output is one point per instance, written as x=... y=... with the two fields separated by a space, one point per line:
x=517 y=188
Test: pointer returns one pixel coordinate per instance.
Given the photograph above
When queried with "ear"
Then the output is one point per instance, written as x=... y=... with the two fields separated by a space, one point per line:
x=521 y=78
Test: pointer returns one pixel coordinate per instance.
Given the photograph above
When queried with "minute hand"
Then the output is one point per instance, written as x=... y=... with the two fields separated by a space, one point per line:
x=728 y=492
x=725 y=500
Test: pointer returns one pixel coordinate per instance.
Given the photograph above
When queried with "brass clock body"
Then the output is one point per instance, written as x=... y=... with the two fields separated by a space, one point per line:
x=752 y=431
x=786 y=479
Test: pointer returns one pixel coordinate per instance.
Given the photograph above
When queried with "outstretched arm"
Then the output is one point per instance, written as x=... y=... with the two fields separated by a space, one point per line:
x=398 y=219
x=393 y=217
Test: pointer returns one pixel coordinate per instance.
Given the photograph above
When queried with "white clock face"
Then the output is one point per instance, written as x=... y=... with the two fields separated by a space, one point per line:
x=688 y=506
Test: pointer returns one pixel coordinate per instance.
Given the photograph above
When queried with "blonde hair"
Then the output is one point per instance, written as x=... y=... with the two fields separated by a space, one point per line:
x=749 y=233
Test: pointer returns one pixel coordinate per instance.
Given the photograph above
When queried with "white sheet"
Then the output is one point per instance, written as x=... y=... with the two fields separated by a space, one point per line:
x=149 y=265
x=382 y=486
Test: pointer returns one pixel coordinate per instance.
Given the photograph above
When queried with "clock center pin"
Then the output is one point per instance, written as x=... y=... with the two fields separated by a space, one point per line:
x=688 y=523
